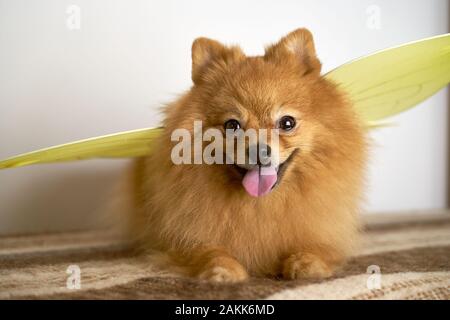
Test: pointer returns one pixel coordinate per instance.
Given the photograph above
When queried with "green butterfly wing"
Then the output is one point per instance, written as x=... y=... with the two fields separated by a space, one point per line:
x=133 y=143
x=380 y=85
x=393 y=80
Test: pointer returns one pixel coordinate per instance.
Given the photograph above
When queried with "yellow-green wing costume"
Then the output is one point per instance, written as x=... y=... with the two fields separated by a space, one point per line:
x=133 y=143
x=380 y=85
x=393 y=80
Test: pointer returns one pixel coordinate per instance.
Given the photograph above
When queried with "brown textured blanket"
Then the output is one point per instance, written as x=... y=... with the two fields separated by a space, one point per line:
x=412 y=254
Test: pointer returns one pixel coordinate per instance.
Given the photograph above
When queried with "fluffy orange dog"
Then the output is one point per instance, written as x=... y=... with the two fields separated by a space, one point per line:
x=304 y=223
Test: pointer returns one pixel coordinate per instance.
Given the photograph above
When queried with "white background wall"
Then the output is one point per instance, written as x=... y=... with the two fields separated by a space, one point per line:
x=130 y=57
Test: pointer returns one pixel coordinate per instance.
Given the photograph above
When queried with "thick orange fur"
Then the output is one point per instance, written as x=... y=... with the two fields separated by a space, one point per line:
x=201 y=214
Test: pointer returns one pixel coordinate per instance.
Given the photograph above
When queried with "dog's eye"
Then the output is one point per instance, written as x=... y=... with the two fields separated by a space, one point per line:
x=286 y=123
x=232 y=124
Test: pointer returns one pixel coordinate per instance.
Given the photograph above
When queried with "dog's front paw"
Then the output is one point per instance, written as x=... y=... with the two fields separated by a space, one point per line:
x=305 y=265
x=228 y=272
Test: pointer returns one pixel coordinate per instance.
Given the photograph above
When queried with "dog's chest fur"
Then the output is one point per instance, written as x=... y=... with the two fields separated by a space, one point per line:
x=258 y=232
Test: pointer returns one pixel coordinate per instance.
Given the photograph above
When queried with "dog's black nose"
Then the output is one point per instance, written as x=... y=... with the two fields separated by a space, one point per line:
x=260 y=155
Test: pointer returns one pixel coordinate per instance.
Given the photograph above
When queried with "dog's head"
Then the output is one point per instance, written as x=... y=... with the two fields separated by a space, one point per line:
x=281 y=92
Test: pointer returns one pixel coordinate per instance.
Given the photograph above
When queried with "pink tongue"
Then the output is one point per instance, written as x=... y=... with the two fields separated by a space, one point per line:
x=259 y=181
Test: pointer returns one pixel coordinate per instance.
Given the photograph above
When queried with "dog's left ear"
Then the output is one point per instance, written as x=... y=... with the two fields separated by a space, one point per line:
x=298 y=45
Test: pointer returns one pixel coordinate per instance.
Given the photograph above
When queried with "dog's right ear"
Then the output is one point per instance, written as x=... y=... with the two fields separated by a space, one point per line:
x=209 y=56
